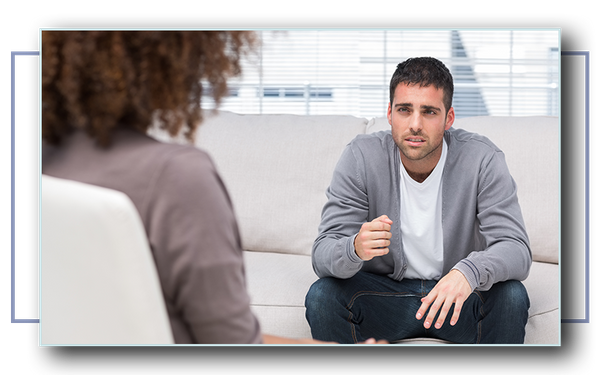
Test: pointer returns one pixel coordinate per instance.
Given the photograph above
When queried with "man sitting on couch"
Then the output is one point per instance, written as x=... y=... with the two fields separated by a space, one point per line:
x=422 y=223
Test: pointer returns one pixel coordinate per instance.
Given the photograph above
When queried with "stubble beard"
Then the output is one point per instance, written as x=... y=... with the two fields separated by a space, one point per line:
x=414 y=153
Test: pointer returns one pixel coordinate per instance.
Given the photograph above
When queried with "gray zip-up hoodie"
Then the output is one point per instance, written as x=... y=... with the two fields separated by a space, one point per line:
x=483 y=230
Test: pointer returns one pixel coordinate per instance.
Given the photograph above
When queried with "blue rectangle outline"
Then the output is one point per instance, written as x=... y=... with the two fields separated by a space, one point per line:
x=586 y=55
x=13 y=54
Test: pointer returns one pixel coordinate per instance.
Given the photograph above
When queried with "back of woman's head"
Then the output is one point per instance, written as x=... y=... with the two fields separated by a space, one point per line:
x=99 y=80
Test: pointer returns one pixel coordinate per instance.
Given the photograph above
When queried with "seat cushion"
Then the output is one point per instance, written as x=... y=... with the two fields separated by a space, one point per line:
x=543 y=286
x=278 y=283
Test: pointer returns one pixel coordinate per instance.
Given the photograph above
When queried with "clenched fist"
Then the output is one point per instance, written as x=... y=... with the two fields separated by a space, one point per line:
x=373 y=238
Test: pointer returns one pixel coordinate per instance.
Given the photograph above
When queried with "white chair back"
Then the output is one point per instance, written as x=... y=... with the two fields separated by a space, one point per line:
x=99 y=284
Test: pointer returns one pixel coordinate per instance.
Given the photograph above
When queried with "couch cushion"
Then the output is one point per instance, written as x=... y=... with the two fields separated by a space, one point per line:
x=277 y=168
x=278 y=279
x=531 y=146
x=543 y=289
x=278 y=283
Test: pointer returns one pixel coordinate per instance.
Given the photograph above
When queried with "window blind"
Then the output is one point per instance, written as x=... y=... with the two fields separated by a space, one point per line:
x=496 y=72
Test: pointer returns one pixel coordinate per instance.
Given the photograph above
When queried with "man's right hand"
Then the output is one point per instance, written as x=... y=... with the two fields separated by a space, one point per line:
x=373 y=238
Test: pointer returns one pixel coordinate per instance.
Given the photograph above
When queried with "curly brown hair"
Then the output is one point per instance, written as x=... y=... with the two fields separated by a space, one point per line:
x=98 y=80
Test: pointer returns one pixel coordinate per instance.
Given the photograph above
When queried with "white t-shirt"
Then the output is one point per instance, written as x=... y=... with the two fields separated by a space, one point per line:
x=421 y=222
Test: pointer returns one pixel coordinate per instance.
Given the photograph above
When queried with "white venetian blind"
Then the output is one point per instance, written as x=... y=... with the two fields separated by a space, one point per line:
x=496 y=72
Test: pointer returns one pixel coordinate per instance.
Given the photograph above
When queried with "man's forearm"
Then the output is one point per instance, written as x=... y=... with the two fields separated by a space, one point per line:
x=335 y=257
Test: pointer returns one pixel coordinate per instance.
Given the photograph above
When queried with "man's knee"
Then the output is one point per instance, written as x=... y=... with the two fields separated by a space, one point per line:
x=507 y=315
x=326 y=311
x=513 y=296
x=320 y=294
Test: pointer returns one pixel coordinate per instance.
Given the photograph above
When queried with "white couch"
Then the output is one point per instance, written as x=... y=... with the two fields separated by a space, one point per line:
x=277 y=168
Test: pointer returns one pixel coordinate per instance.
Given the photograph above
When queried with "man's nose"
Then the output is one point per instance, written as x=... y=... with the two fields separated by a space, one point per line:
x=416 y=123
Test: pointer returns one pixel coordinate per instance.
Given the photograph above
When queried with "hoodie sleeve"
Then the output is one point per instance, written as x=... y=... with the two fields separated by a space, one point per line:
x=342 y=216
x=507 y=255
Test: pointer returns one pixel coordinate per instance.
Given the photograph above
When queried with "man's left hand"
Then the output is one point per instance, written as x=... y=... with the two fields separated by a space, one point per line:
x=451 y=289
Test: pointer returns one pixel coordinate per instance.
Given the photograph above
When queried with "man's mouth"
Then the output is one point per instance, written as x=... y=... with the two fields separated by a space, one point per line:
x=415 y=141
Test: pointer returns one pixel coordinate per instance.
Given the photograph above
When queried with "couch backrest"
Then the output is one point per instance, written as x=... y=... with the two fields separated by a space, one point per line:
x=531 y=146
x=276 y=169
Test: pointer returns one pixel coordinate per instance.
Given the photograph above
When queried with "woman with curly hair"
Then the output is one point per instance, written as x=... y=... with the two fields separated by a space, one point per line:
x=101 y=93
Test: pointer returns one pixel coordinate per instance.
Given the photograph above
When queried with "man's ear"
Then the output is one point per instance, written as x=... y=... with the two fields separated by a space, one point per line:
x=389 y=113
x=449 y=118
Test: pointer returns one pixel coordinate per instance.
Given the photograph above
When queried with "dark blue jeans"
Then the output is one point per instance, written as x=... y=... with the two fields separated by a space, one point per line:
x=368 y=305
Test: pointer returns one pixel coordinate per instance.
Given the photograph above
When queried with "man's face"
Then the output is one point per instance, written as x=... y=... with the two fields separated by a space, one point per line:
x=418 y=119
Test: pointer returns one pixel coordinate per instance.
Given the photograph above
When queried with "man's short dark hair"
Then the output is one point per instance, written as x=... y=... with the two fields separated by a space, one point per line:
x=424 y=71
